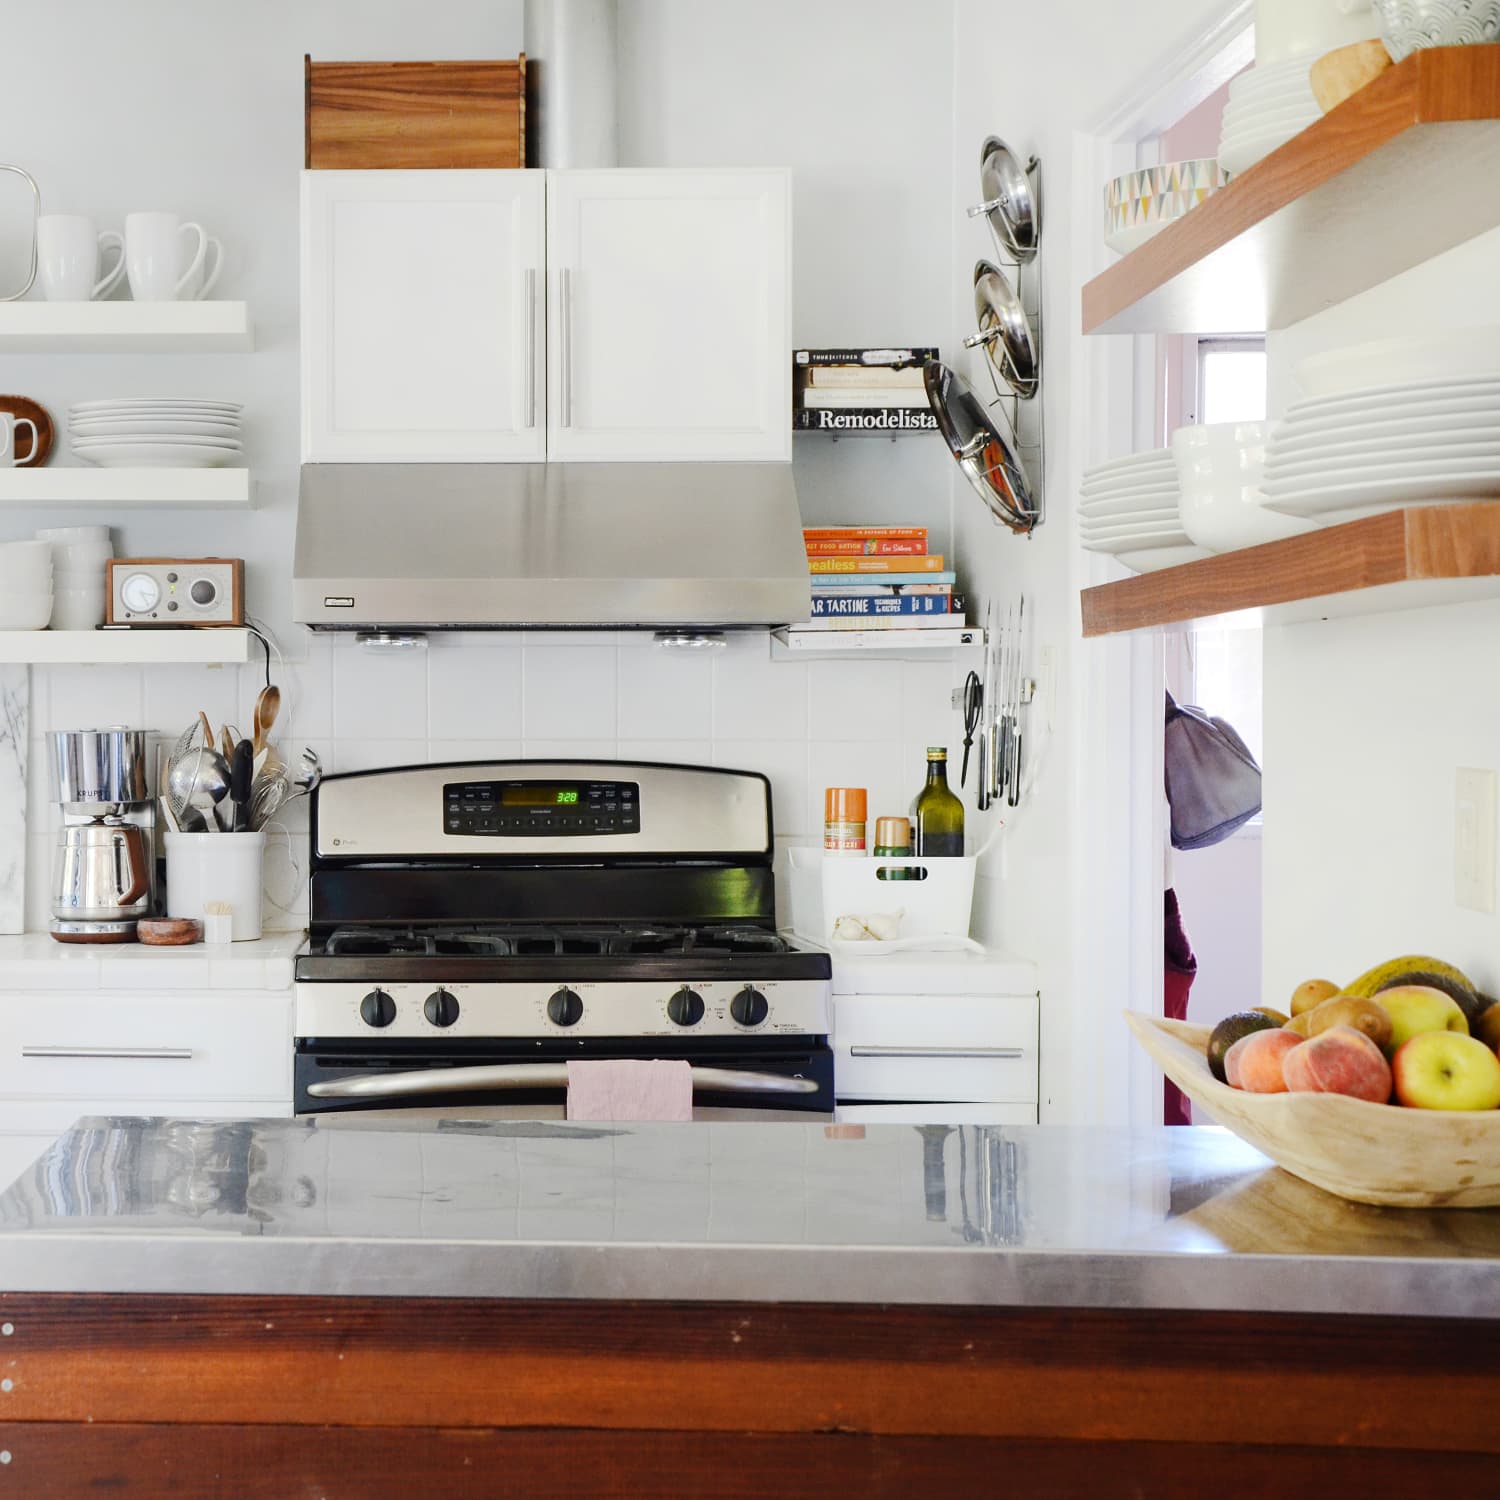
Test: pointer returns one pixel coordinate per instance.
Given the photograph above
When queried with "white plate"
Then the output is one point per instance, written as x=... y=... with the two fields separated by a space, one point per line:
x=1095 y=533
x=1098 y=510
x=1162 y=484
x=1432 y=471
x=1152 y=559
x=155 y=401
x=1240 y=156
x=1435 y=423
x=146 y=427
x=1135 y=474
x=157 y=440
x=1318 y=500
x=1376 y=446
x=1136 y=543
x=117 y=455
x=1249 y=119
x=1453 y=354
x=1424 y=392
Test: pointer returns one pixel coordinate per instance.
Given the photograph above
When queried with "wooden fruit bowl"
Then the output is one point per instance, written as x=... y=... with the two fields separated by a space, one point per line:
x=1369 y=1153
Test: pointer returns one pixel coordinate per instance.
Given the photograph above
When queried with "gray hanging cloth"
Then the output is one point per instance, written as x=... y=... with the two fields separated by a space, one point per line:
x=1213 y=782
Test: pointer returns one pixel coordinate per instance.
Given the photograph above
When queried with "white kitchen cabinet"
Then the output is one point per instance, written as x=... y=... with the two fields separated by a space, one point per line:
x=669 y=315
x=423 y=305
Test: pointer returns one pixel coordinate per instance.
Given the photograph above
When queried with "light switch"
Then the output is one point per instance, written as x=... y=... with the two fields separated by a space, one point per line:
x=1474 y=840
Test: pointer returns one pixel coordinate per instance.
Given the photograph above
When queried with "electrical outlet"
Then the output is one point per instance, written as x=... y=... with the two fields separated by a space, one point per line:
x=1474 y=840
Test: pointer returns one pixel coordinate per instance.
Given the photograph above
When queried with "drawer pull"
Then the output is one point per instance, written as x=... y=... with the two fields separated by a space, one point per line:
x=157 y=1054
x=969 y=1052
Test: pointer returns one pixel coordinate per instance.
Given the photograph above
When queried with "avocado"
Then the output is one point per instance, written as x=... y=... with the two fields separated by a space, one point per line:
x=1229 y=1031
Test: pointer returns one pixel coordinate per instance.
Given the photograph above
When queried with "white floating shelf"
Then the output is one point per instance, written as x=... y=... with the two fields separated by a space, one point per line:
x=220 y=488
x=124 y=647
x=125 y=328
x=894 y=641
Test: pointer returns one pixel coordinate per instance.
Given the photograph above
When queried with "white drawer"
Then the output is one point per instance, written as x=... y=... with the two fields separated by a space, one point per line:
x=935 y=1114
x=150 y=1049
x=974 y=1048
x=50 y=1117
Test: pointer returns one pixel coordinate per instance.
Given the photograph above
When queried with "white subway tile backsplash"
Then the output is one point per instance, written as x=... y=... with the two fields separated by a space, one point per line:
x=756 y=698
x=570 y=749
x=473 y=692
x=379 y=694
x=174 y=697
x=306 y=690
x=569 y=691
x=665 y=694
x=785 y=762
x=927 y=701
x=878 y=767
x=854 y=700
x=669 y=752
x=370 y=754
x=91 y=697
x=439 y=751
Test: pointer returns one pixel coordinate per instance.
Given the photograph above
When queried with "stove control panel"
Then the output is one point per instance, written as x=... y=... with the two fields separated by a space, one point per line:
x=518 y=809
x=607 y=1008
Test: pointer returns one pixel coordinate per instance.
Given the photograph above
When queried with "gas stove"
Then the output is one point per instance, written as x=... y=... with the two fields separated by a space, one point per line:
x=472 y=932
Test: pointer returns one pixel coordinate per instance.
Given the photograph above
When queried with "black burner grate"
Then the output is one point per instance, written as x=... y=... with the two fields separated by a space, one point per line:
x=515 y=941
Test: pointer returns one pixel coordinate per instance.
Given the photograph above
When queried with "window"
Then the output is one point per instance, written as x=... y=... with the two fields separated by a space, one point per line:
x=1231 y=380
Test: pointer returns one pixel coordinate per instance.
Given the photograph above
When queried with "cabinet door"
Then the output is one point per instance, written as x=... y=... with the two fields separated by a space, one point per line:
x=669 y=328
x=422 y=309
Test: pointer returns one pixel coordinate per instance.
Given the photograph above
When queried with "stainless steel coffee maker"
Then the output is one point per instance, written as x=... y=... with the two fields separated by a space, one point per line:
x=104 y=869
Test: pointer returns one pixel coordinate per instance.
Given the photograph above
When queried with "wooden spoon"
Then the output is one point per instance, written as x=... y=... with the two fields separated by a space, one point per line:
x=267 y=706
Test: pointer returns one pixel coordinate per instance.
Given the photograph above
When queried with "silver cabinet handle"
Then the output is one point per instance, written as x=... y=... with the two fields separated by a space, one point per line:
x=158 y=1054
x=532 y=1076
x=984 y=1052
x=531 y=348
x=565 y=338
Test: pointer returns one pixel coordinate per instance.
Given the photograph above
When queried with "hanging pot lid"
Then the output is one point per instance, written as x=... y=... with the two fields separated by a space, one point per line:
x=1004 y=331
x=1010 y=200
x=986 y=455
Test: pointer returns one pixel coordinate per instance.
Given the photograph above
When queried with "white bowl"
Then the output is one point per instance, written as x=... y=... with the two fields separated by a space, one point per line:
x=1140 y=204
x=1456 y=354
x=1220 y=468
x=77 y=609
x=25 y=566
x=1408 y=25
x=24 y=611
x=72 y=535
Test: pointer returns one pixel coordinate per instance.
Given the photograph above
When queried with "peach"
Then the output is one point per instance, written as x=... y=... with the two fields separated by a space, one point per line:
x=1257 y=1068
x=1340 y=1060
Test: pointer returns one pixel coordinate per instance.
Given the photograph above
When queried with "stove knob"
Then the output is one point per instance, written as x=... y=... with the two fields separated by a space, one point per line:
x=749 y=1007
x=441 y=1008
x=685 y=1008
x=377 y=1009
x=564 y=1008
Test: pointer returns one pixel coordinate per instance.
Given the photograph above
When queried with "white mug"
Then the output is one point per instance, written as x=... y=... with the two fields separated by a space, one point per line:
x=196 y=285
x=154 y=256
x=8 y=425
x=67 y=258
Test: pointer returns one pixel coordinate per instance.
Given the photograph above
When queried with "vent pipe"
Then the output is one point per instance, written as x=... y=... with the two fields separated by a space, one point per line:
x=570 y=83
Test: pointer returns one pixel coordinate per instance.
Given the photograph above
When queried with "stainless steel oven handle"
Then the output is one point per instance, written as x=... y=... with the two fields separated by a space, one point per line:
x=980 y=1052
x=533 y=1076
x=159 y=1054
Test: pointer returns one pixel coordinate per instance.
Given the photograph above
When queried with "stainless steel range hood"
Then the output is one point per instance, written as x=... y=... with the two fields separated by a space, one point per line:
x=505 y=546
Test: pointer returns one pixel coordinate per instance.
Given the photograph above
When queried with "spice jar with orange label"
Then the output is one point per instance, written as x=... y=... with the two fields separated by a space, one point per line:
x=844 y=817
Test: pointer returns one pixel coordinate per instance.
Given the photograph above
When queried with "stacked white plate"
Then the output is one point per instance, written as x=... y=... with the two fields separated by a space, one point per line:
x=1267 y=107
x=158 y=432
x=1129 y=507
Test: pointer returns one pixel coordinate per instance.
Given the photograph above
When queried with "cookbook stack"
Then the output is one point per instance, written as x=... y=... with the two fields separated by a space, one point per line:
x=861 y=390
x=878 y=578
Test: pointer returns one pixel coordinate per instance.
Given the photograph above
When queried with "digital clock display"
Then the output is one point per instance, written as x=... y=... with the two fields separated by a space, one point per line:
x=539 y=794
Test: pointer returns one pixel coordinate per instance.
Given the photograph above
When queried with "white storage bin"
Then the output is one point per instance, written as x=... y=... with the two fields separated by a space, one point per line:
x=936 y=902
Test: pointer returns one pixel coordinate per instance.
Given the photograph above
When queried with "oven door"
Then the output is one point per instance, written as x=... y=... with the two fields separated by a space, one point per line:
x=792 y=1074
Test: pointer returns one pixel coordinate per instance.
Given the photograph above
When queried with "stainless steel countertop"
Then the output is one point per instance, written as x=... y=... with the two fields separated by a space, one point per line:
x=970 y=1215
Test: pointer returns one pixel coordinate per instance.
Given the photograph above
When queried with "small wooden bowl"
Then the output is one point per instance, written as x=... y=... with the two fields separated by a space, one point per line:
x=169 y=932
x=1368 y=1153
x=1338 y=74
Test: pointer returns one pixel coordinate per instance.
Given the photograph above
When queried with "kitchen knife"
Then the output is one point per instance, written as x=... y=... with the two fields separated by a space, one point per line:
x=241 y=774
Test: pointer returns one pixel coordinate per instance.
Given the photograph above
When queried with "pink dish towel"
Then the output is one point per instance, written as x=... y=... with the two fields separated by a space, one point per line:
x=630 y=1089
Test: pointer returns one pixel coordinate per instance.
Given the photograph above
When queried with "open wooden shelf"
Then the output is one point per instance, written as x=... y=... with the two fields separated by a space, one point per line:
x=1406 y=168
x=921 y=642
x=1403 y=559
x=125 y=647
x=217 y=489
x=207 y=327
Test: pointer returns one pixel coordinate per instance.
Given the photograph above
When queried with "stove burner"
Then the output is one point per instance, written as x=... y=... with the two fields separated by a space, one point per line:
x=527 y=942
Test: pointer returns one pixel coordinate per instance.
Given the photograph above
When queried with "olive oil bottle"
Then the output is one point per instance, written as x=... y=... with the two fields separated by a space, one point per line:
x=937 y=815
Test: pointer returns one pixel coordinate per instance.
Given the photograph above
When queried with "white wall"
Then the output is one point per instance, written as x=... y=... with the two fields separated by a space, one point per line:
x=1368 y=719
x=199 y=108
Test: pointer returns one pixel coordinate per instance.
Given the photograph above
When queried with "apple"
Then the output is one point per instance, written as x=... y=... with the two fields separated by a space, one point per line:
x=1254 y=1062
x=1340 y=1060
x=1415 y=1008
x=1446 y=1070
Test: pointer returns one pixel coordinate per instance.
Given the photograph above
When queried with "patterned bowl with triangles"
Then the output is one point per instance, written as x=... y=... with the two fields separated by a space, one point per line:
x=1140 y=204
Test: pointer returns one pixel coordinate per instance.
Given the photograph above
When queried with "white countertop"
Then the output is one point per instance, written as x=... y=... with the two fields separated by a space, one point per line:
x=34 y=961
x=938 y=973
